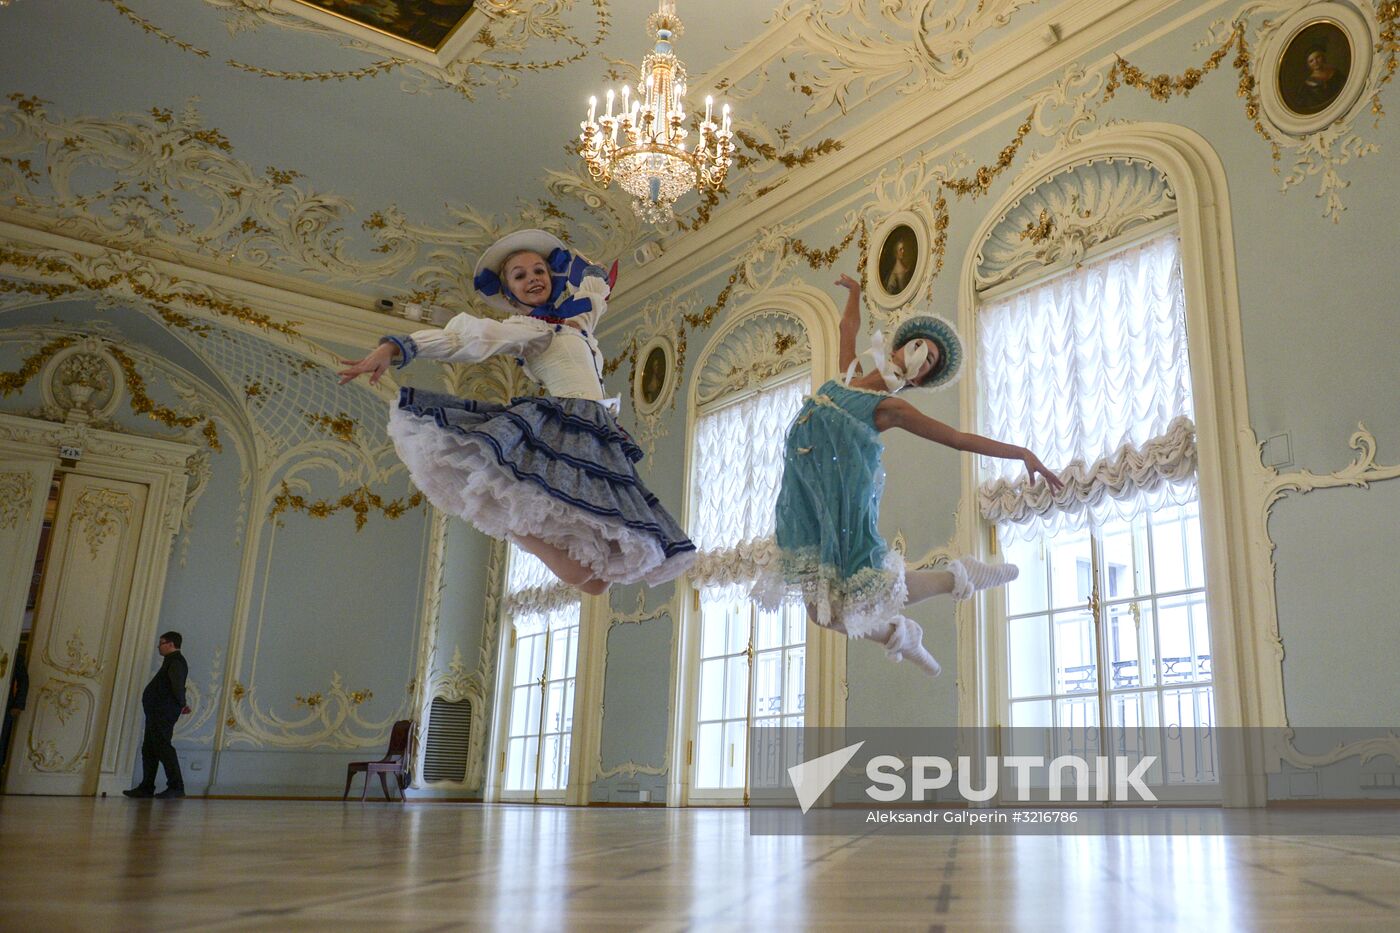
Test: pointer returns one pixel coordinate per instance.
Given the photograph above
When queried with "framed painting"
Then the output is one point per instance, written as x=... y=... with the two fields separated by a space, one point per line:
x=654 y=379
x=897 y=263
x=427 y=24
x=1315 y=66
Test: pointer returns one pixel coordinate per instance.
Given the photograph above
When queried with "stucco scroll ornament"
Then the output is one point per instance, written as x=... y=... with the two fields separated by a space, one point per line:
x=135 y=181
x=333 y=720
x=1065 y=216
x=16 y=492
x=99 y=514
x=1273 y=486
x=762 y=347
x=65 y=699
x=912 y=47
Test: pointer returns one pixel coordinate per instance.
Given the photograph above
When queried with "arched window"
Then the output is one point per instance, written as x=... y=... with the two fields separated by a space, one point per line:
x=541 y=657
x=743 y=667
x=1105 y=639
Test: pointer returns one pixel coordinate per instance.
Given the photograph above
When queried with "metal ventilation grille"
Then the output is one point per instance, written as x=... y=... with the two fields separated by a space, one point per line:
x=449 y=738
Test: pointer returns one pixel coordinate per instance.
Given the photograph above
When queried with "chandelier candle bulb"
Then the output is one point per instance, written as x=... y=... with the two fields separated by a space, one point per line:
x=653 y=163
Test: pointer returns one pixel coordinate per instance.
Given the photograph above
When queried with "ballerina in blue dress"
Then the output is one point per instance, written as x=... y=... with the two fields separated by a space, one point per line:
x=830 y=553
x=555 y=473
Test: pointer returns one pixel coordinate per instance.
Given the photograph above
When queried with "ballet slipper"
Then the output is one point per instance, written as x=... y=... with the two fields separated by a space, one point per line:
x=906 y=641
x=971 y=575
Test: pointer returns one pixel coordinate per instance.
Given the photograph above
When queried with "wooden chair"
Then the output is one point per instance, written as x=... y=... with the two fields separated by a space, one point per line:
x=394 y=762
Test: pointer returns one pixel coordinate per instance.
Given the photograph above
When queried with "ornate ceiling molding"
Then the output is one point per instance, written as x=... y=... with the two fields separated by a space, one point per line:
x=134 y=183
x=912 y=47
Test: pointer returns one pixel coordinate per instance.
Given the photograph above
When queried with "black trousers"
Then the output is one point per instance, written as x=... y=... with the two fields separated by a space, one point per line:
x=157 y=750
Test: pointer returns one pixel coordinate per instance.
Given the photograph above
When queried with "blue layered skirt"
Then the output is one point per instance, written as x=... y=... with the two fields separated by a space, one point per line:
x=558 y=469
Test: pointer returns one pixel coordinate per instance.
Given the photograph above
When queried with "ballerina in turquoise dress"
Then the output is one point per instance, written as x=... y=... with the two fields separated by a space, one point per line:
x=830 y=552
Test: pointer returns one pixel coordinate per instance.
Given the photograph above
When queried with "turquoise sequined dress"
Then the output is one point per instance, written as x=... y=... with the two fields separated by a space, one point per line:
x=830 y=553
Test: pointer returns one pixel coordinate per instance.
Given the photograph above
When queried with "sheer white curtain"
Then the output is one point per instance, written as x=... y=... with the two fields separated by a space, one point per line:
x=535 y=598
x=737 y=467
x=1090 y=371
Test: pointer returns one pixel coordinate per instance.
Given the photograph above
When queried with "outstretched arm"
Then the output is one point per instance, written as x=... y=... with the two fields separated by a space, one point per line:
x=850 y=323
x=465 y=339
x=897 y=413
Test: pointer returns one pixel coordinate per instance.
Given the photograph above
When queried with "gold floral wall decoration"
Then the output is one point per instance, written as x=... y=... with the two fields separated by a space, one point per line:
x=30 y=366
x=143 y=404
x=360 y=501
x=1162 y=87
x=340 y=426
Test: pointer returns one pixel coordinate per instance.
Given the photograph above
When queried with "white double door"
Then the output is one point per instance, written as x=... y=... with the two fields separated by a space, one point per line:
x=74 y=650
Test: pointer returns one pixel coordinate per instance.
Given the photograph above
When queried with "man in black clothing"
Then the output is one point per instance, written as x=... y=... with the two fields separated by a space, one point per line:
x=14 y=704
x=163 y=701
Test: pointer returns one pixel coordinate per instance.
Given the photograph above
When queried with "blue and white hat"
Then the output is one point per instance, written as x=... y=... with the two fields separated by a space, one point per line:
x=486 y=277
x=942 y=334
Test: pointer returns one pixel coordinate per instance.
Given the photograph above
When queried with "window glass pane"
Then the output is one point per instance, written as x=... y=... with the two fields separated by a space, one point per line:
x=1189 y=739
x=796 y=617
x=1168 y=550
x=1175 y=633
x=525 y=710
x=550 y=764
x=1076 y=662
x=1195 y=556
x=1030 y=591
x=1125 y=559
x=1030 y=714
x=767 y=683
x=561 y=652
x=569 y=706
x=1077 y=726
x=736 y=704
x=1070 y=560
x=770 y=630
x=520 y=763
x=1029 y=646
x=737 y=616
x=712 y=689
x=795 y=693
x=554 y=707
x=712 y=629
x=1131 y=650
x=529 y=659
x=709 y=758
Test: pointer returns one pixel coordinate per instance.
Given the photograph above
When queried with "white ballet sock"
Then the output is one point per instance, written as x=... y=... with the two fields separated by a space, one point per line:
x=906 y=641
x=924 y=584
x=971 y=575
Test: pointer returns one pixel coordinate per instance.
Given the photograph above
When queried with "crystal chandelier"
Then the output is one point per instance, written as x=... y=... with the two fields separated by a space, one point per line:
x=651 y=161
